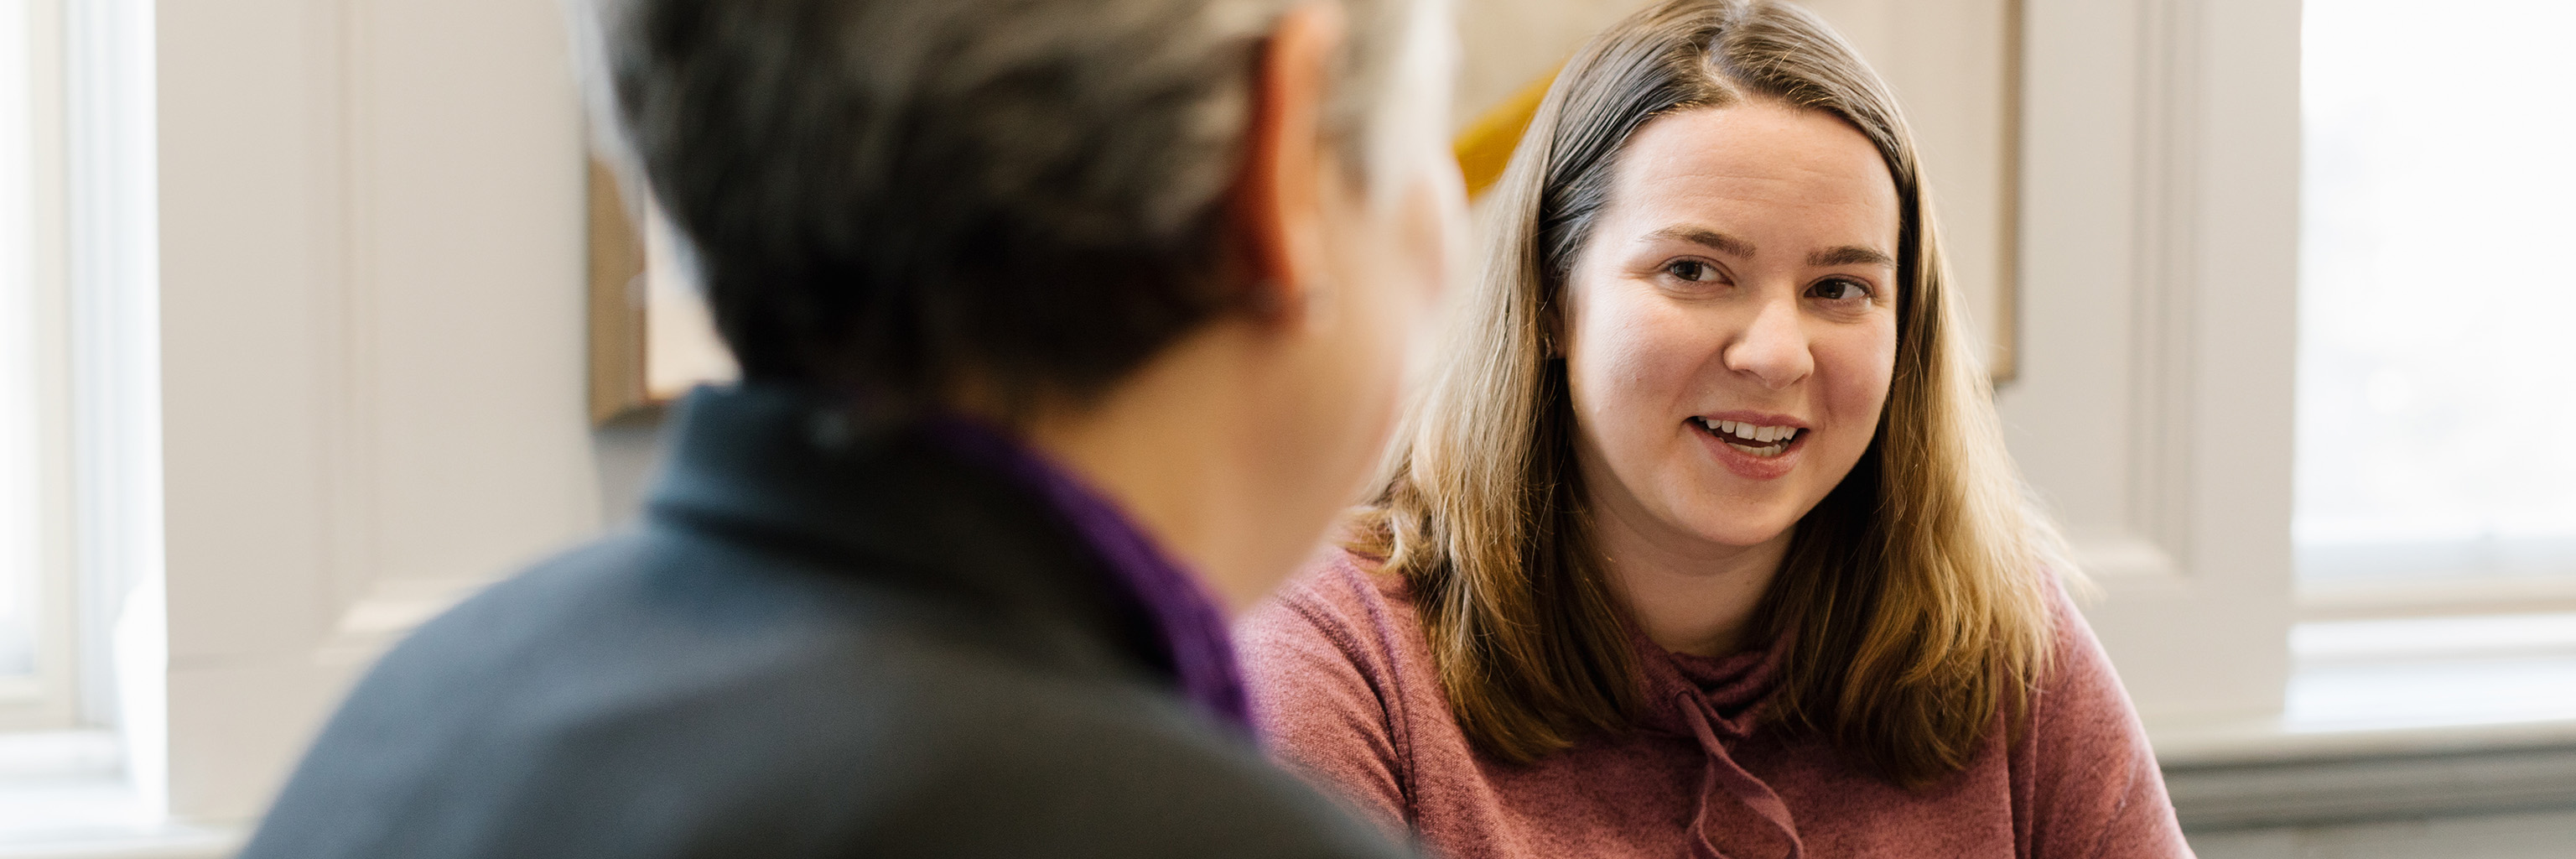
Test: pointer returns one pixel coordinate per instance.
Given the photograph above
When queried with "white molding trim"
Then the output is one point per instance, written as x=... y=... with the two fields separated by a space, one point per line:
x=2164 y=344
x=2129 y=561
x=2160 y=156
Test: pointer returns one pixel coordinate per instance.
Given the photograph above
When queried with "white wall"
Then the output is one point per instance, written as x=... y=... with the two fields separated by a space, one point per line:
x=1509 y=44
x=372 y=261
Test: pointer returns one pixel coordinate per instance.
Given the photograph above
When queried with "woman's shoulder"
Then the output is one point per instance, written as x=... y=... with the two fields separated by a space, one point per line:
x=2092 y=775
x=1338 y=672
x=2079 y=706
x=1342 y=596
x=1346 y=630
x=2076 y=662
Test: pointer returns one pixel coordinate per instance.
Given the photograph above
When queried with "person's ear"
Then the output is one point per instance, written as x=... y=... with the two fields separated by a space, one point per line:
x=1278 y=204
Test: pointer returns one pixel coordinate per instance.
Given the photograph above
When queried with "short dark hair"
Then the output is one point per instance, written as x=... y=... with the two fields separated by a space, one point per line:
x=900 y=197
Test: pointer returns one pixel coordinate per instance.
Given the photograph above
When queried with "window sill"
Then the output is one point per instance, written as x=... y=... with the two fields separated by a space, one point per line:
x=2365 y=776
x=165 y=843
x=2447 y=594
x=2401 y=738
x=63 y=795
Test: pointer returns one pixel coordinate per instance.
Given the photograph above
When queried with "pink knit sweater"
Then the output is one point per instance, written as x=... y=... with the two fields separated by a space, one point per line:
x=1343 y=685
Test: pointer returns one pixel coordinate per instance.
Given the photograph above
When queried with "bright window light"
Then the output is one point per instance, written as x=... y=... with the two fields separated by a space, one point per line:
x=2437 y=306
x=20 y=477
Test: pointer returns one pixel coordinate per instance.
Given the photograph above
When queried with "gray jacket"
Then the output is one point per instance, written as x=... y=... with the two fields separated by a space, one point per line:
x=819 y=642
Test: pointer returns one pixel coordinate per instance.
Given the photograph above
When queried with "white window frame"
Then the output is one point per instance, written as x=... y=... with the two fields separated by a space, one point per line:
x=72 y=763
x=32 y=173
x=2155 y=405
x=114 y=339
x=2159 y=226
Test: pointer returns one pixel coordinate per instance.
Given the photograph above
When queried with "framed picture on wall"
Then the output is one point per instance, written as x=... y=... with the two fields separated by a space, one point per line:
x=650 y=336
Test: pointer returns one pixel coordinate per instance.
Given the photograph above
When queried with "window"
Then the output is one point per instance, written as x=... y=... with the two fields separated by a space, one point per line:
x=2436 y=464
x=35 y=654
x=19 y=356
x=2435 y=515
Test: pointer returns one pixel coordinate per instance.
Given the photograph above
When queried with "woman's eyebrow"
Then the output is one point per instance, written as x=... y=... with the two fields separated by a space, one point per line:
x=1718 y=241
x=1851 y=255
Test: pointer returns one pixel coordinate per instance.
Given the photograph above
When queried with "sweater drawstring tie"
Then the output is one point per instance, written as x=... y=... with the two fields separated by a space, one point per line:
x=1722 y=770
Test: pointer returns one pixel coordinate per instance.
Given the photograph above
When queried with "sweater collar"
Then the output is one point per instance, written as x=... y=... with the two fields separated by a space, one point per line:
x=1714 y=702
x=1732 y=691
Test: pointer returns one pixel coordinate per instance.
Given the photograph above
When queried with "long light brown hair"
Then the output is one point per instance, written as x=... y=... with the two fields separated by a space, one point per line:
x=1912 y=600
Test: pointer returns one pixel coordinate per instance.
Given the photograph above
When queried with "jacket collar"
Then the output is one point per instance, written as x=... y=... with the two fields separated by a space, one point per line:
x=788 y=470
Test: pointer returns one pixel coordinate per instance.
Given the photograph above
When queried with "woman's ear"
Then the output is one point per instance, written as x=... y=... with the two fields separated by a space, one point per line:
x=1277 y=203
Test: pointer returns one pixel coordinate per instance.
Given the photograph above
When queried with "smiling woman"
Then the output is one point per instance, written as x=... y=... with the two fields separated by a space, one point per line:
x=1704 y=541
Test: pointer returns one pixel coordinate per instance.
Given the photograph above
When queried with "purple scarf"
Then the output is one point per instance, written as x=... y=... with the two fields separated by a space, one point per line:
x=1193 y=630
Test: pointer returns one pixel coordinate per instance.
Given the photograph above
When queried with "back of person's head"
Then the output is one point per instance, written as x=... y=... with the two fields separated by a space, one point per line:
x=903 y=198
x=1911 y=603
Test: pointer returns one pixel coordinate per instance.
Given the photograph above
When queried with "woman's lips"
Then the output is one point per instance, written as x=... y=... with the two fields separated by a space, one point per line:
x=1746 y=464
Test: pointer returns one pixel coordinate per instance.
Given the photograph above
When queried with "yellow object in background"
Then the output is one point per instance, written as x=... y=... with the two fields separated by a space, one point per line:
x=1486 y=146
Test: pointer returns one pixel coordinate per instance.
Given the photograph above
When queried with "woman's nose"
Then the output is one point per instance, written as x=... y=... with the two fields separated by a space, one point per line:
x=1772 y=347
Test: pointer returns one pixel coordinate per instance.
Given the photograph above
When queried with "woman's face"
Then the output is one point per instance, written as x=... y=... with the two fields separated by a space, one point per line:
x=1729 y=328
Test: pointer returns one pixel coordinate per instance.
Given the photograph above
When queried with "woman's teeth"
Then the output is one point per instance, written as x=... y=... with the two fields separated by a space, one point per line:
x=1749 y=438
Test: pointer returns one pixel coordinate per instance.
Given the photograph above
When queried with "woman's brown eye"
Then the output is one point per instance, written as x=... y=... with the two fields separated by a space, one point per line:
x=1839 y=290
x=1691 y=270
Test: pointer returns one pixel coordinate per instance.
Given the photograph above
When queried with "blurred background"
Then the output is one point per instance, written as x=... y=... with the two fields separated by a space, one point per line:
x=314 y=317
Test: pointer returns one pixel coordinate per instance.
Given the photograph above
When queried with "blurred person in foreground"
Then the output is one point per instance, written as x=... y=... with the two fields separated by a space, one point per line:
x=1065 y=328
x=1705 y=542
